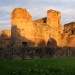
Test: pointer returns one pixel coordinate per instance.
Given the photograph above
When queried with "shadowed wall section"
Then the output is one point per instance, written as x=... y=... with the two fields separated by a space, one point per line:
x=52 y=42
x=54 y=21
x=22 y=27
x=5 y=38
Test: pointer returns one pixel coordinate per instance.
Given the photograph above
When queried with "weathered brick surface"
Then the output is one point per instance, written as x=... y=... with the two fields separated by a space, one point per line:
x=25 y=32
x=5 y=38
x=54 y=21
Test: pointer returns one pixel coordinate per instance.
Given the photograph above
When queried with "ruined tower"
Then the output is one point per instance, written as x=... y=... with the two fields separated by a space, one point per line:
x=53 y=18
x=54 y=21
x=22 y=27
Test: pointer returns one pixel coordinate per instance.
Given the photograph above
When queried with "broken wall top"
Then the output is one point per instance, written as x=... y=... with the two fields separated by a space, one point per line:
x=54 y=11
x=54 y=18
x=41 y=20
x=6 y=34
x=69 y=26
x=20 y=13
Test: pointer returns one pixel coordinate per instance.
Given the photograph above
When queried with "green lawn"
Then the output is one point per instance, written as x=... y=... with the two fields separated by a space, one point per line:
x=49 y=66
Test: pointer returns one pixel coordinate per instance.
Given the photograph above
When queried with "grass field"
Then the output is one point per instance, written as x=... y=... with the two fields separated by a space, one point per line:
x=49 y=66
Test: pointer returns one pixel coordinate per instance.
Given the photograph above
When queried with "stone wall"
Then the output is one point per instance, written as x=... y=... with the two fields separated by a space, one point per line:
x=22 y=53
x=54 y=18
x=22 y=27
x=5 y=38
x=41 y=32
x=71 y=41
x=70 y=28
x=54 y=21
x=6 y=34
x=64 y=40
x=24 y=31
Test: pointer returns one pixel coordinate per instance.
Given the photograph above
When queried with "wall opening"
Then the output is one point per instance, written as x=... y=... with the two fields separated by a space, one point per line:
x=52 y=42
x=24 y=44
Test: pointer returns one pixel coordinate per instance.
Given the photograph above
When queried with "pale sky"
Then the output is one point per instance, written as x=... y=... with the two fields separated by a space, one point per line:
x=37 y=8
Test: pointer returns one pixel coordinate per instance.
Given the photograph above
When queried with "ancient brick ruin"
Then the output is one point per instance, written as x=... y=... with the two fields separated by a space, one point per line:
x=41 y=32
x=5 y=38
x=26 y=32
x=70 y=28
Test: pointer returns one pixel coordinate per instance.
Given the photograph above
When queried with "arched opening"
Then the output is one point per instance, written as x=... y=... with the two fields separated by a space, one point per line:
x=52 y=42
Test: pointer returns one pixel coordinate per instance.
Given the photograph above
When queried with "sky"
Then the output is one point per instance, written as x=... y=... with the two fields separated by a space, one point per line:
x=37 y=8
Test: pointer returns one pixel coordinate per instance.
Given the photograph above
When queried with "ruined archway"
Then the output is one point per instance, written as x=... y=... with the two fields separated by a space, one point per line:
x=52 y=42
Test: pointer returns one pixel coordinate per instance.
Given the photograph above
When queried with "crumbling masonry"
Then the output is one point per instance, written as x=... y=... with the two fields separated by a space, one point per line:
x=26 y=32
x=41 y=32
